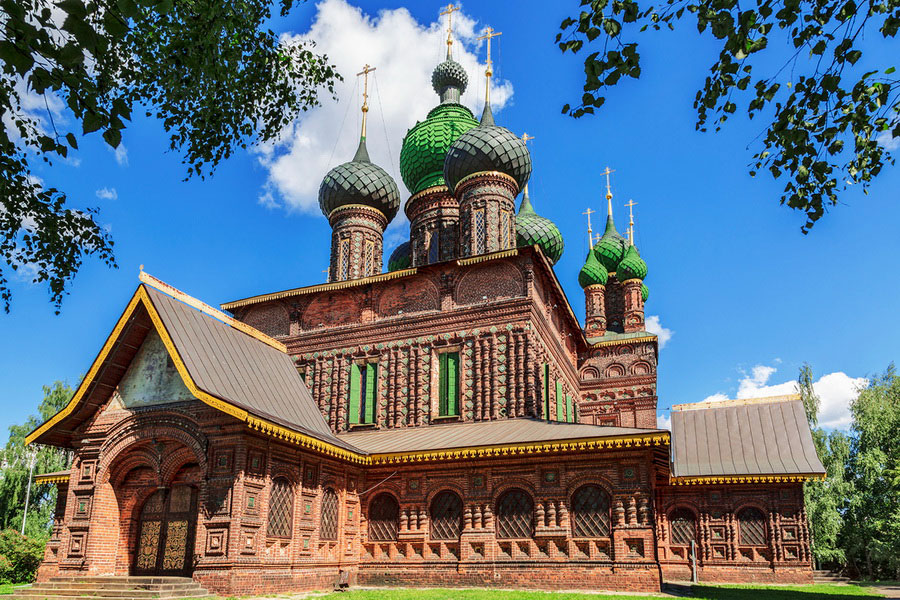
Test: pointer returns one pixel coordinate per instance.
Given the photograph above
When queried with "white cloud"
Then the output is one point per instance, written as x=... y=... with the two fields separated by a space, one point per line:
x=107 y=194
x=835 y=390
x=664 y=334
x=404 y=52
x=663 y=421
x=121 y=154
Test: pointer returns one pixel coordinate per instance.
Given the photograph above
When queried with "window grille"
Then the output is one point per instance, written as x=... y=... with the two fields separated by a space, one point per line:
x=590 y=512
x=446 y=516
x=681 y=527
x=281 y=513
x=515 y=515
x=329 y=528
x=384 y=516
x=752 y=527
x=344 y=271
x=370 y=258
x=480 y=232
x=504 y=230
x=434 y=247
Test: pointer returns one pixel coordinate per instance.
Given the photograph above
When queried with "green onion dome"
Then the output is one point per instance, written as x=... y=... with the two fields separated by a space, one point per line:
x=611 y=248
x=533 y=229
x=593 y=272
x=401 y=257
x=645 y=291
x=487 y=147
x=632 y=266
x=359 y=182
x=426 y=144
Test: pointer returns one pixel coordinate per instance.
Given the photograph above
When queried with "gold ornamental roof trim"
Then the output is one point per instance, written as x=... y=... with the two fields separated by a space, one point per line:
x=746 y=479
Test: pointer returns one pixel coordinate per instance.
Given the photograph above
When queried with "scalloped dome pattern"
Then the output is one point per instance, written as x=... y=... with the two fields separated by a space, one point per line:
x=359 y=182
x=645 y=292
x=487 y=148
x=425 y=145
x=401 y=257
x=611 y=248
x=593 y=272
x=531 y=229
x=449 y=74
x=632 y=266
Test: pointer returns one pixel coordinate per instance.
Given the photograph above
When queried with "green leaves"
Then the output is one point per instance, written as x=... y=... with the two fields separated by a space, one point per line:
x=213 y=73
x=825 y=116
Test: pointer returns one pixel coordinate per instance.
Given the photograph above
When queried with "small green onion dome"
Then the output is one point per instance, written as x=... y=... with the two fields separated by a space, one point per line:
x=611 y=248
x=487 y=147
x=426 y=144
x=645 y=292
x=401 y=257
x=359 y=182
x=632 y=266
x=533 y=229
x=593 y=272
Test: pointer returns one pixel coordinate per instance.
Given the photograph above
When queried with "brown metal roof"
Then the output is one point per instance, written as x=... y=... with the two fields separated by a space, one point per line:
x=763 y=436
x=243 y=371
x=485 y=433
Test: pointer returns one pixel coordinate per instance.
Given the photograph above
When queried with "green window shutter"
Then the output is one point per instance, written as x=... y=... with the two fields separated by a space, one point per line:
x=546 y=391
x=452 y=383
x=560 y=407
x=354 y=393
x=570 y=415
x=443 y=396
x=371 y=378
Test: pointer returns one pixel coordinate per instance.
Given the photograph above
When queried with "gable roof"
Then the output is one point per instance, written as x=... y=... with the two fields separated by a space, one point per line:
x=754 y=439
x=236 y=370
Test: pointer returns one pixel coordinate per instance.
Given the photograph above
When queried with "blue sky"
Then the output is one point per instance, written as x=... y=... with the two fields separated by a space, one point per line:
x=744 y=296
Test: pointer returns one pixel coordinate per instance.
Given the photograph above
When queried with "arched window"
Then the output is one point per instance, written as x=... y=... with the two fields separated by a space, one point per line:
x=752 y=527
x=446 y=516
x=329 y=528
x=384 y=515
x=682 y=527
x=281 y=508
x=590 y=512
x=515 y=515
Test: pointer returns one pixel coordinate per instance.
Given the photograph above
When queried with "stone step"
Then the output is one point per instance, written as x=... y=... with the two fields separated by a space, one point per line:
x=123 y=579
x=122 y=593
x=83 y=596
x=113 y=585
x=114 y=588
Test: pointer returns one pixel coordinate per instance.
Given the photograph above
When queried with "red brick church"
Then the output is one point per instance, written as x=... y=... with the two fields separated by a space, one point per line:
x=447 y=422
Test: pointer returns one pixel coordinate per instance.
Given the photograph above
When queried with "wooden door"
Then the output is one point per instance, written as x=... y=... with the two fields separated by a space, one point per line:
x=166 y=532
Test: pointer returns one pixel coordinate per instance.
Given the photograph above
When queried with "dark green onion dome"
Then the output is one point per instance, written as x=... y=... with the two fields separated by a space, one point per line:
x=645 y=292
x=487 y=147
x=593 y=272
x=611 y=248
x=426 y=145
x=401 y=257
x=359 y=182
x=533 y=229
x=632 y=266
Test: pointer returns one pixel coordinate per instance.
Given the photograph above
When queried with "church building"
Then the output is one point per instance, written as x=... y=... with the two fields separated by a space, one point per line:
x=448 y=422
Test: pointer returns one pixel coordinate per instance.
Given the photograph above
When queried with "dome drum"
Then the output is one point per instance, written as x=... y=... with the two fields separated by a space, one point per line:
x=487 y=218
x=358 y=214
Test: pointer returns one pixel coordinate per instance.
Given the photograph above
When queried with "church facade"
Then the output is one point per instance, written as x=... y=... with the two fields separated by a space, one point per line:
x=447 y=422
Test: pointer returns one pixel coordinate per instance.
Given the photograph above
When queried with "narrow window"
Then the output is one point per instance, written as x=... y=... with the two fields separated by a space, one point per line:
x=480 y=232
x=281 y=509
x=560 y=407
x=329 y=521
x=504 y=230
x=362 y=392
x=344 y=271
x=448 y=404
x=570 y=413
x=434 y=247
x=546 y=391
x=370 y=258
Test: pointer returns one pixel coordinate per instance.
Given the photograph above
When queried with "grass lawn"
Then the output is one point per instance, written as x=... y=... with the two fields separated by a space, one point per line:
x=701 y=592
x=7 y=588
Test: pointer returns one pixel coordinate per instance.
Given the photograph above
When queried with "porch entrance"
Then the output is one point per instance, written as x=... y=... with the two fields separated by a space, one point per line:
x=166 y=532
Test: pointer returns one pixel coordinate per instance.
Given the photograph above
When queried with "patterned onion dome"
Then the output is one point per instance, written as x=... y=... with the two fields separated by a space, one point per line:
x=632 y=266
x=593 y=272
x=611 y=248
x=487 y=147
x=426 y=145
x=645 y=291
x=449 y=74
x=401 y=257
x=532 y=229
x=359 y=182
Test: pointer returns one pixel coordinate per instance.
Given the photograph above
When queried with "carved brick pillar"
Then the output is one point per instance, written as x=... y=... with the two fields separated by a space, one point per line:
x=433 y=225
x=487 y=213
x=595 y=310
x=634 y=306
x=356 y=242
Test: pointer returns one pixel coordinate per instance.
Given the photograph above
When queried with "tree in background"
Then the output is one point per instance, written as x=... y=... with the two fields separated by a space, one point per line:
x=826 y=499
x=16 y=458
x=872 y=534
x=799 y=64
x=211 y=72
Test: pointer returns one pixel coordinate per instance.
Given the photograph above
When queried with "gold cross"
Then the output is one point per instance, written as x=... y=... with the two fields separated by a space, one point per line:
x=365 y=105
x=589 y=212
x=526 y=137
x=631 y=204
x=449 y=12
x=607 y=172
x=490 y=33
